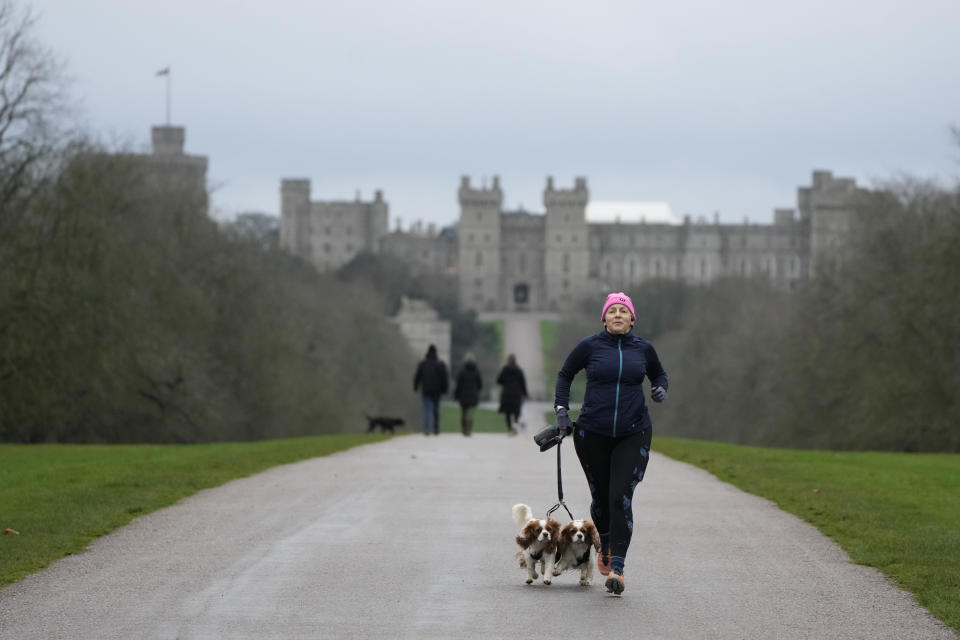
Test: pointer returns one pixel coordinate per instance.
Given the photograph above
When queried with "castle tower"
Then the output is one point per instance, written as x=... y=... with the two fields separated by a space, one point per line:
x=377 y=213
x=828 y=207
x=479 y=250
x=566 y=258
x=294 y=216
x=167 y=141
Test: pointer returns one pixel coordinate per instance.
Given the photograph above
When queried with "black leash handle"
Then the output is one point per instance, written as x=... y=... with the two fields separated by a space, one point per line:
x=559 y=486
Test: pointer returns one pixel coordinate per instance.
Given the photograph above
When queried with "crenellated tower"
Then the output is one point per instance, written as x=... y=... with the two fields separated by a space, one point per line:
x=329 y=233
x=566 y=257
x=828 y=207
x=479 y=246
x=295 y=216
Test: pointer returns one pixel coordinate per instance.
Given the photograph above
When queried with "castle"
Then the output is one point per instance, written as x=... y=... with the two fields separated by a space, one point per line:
x=521 y=261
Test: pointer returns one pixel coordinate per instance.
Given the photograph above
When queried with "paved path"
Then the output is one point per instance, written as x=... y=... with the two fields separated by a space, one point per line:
x=413 y=538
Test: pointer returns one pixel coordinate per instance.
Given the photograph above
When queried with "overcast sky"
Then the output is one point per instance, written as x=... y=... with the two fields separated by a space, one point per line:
x=709 y=106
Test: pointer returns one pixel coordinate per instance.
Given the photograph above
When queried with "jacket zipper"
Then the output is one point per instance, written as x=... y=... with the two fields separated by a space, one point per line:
x=616 y=405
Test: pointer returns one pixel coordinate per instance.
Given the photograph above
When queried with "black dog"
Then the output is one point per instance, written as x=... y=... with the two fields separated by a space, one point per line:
x=385 y=423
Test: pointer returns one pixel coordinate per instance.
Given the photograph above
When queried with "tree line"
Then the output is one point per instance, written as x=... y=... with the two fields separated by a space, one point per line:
x=127 y=315
x=864 y=356
x=393 y=278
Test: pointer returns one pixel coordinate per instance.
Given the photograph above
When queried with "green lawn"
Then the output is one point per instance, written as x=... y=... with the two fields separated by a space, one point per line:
x=498 y=328
x=548 y=341
x=897 y=512
x=484 y=420
x=60 y=497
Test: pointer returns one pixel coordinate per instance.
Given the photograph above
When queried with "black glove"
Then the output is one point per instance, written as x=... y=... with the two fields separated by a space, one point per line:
x=659 y=394
x=564 y=424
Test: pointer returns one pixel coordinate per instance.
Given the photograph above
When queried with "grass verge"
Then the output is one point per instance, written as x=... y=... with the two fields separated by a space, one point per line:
x=548 y=346
x=549 y=332
x=484 y=420
x=60 y=497
x=899 y=513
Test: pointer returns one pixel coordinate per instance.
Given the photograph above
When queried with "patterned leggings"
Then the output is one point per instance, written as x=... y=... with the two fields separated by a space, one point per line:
x=613 y=467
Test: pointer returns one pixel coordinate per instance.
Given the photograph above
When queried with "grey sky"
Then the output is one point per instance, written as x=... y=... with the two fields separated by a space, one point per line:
x=709 y=106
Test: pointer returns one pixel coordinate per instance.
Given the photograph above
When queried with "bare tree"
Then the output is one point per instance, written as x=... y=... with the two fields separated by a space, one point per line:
x=32 y=109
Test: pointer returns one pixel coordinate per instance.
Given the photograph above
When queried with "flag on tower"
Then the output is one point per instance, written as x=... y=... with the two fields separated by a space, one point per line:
x=164 y=72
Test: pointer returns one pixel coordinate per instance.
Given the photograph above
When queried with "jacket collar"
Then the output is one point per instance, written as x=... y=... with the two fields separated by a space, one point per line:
x=614 y=338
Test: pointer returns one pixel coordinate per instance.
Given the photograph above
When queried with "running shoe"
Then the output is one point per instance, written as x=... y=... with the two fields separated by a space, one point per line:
x=615 y=584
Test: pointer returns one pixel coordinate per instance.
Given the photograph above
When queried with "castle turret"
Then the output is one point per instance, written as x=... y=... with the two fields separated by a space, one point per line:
x=377 y=219
x=479 y=245
x=168 y=141
x=294 y=216
x=828 y=207
x=566 y=259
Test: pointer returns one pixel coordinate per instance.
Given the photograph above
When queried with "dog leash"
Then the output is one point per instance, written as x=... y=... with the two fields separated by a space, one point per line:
x=561 y=503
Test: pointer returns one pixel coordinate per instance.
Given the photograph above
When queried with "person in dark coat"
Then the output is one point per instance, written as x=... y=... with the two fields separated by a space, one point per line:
x=467 y=392
x=514 y=391
x=433 y=381
x=613 y=432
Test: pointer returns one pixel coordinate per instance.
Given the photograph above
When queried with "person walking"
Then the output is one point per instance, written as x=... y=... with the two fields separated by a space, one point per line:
x=433 y=381
x=514 y=391
x=613 y=432
x=467 y=392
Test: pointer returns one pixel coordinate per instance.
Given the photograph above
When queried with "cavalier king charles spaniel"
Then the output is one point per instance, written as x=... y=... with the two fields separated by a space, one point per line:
x=577 y=539
x=538 y=543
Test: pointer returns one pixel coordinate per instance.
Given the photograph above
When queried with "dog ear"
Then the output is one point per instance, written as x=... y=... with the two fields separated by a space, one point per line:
x=594 y=536
x=527 y=535
x=564 y=539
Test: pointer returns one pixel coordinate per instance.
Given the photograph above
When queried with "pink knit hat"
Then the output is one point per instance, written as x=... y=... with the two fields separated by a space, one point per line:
x=618 y=298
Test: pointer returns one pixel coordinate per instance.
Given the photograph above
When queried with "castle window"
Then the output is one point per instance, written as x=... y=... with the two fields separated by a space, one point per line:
x=479 y=259
x=478 y=282
x=349 y=247
x=657 y=267
x=632 y=269
x=606 y=268
x=566 y=262
x=326 y=247
x=703 y=268
x=566 y=284
x=523 y=263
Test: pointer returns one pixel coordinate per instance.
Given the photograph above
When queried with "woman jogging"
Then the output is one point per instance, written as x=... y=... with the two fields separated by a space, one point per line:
x=613 y=432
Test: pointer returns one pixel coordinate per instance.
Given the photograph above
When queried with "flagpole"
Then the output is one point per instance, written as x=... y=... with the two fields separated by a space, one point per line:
x=166 y=72
x=168 y=98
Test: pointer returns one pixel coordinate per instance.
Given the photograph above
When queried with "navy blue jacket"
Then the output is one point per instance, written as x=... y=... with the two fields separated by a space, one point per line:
x=616 y=365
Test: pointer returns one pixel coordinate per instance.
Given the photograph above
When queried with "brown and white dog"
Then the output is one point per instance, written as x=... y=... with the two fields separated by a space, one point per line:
x=577 y=540
x=538 y=543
